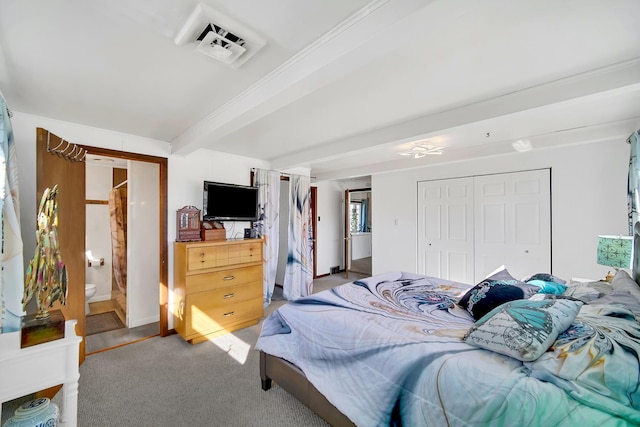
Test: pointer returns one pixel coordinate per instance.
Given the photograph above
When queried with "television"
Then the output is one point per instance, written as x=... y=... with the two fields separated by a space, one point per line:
x=229 y=202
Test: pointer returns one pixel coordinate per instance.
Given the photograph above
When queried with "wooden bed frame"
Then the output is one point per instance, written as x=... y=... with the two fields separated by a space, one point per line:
x=293 y=380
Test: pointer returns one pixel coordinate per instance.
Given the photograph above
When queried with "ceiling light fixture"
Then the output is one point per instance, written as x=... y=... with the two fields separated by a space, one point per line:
x=420 y=150
x=522 y=145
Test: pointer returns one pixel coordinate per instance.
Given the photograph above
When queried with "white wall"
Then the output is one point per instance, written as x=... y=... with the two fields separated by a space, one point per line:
x=360 y=245
x=588 y=193
x=98 y=230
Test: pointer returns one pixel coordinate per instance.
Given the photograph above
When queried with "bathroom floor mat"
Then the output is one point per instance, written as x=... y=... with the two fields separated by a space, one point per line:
x=103 y=322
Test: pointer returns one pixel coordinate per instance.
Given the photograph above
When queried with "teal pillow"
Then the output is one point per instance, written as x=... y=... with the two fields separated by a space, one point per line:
x=523 y=329
x=548 y=287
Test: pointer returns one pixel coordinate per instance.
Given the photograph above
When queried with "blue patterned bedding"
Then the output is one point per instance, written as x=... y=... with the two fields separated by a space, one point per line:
x=388 y=350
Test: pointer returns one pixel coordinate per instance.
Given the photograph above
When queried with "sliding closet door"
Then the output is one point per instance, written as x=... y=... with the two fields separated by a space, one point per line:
x=513 y=223
x=445 y=229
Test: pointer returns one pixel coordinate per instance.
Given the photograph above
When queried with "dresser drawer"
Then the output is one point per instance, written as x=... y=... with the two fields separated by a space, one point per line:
x=203 y=257
x=206 y=318
x=222 y=279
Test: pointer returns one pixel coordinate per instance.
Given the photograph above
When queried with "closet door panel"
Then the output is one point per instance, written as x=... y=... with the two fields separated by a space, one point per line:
x=445 y=229
x=513 y=225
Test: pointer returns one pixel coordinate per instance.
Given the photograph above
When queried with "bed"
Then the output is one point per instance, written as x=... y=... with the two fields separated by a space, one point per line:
x=407 y=349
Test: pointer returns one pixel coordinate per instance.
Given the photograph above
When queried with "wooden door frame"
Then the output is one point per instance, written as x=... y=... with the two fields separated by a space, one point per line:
x=162 y=163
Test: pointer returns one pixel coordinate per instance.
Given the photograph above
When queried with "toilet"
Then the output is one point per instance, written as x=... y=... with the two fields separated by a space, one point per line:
x=89 y=291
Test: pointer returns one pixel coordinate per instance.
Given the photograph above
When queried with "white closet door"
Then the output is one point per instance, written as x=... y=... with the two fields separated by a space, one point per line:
x=513 y=223
x=445 y=229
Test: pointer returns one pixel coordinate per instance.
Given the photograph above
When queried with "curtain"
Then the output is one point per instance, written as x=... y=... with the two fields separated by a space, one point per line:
x=118 y=216
x=298 y=278
x=364 y=214
x=633 y=182
x=268 y=226
x=11 y=263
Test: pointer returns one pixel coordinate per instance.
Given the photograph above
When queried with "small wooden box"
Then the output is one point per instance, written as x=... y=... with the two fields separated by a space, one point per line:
x=217 y=234
x=209 y=234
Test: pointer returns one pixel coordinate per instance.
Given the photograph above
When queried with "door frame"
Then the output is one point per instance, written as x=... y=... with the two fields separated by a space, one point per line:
x=163 y=285
x=347 y=228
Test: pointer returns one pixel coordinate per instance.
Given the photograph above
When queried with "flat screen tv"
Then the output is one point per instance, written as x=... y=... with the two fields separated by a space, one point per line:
x=229 y=202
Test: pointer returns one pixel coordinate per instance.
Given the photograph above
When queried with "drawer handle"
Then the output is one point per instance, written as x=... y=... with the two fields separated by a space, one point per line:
x=229 y=314
x=229 y=277
x=231 y=295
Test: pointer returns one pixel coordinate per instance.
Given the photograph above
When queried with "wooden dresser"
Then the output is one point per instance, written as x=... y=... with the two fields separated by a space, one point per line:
x=217 y=287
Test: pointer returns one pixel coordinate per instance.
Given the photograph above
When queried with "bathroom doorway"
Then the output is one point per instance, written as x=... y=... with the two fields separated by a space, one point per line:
x=119 y=248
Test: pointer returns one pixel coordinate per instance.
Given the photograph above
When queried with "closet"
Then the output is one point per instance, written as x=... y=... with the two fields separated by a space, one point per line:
x=468 y=227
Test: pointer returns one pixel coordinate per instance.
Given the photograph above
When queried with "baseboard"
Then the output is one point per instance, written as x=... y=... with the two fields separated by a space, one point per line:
x=143 y=321
x=98 y=298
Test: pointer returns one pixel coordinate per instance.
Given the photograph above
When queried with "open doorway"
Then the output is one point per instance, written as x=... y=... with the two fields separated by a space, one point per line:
x=131 y=295
x=358 y=229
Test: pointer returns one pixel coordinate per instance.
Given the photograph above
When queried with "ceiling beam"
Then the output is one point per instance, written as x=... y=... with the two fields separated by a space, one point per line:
x=621 y=77
x=309 y=70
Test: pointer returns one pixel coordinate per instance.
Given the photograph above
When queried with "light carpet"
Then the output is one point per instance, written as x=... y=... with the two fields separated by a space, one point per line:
x=169 y=382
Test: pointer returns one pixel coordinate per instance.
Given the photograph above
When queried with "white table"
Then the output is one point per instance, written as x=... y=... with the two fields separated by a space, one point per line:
x=28 y=370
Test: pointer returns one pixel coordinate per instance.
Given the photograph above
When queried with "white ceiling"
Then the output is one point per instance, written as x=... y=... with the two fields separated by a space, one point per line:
x=341 y=86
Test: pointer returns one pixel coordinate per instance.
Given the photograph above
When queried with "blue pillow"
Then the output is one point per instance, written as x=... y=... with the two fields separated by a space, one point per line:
x=548 y=287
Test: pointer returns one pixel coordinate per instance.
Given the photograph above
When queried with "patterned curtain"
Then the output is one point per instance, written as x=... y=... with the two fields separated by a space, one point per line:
x=298 y=278
x=633 y=182
x=118 y=218
x=11 y=263
x=268 y=226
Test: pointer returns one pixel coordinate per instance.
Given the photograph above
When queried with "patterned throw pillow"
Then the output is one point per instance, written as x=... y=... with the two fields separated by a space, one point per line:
x=548 y=283
x=493 y=291
x=523 y=329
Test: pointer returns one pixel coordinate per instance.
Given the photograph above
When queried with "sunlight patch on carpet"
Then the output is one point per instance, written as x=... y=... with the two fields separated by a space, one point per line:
x=233 y=346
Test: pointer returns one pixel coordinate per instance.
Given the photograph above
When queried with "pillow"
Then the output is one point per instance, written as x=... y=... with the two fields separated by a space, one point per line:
x=547 y=278
x=587 y=291
x=523 y=329
x=493 y=291
x=548 y=287
x=548 y=283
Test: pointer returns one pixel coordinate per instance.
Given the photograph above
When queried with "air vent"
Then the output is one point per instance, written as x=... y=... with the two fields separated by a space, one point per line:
x=220 y=44
x=218 y=36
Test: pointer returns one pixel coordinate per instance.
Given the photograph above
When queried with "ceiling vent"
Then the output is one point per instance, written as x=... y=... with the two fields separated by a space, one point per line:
x=218 y=36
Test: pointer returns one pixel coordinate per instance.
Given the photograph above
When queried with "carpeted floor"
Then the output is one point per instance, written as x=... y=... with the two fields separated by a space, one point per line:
x=169 y=382
x=103 y=322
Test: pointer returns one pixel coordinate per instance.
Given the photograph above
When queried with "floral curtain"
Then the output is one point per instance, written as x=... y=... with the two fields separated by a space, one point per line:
x=298 y=279
x=268 y=226
x=11 y=263
x=633 y=183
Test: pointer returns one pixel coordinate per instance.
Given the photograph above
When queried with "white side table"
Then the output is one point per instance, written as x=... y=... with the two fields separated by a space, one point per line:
x=31 y=369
